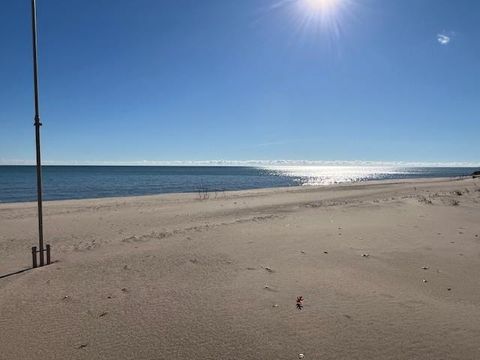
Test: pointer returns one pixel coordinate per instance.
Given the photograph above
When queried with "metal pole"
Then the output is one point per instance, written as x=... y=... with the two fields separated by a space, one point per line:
x=48 y=254
x=37 y=132
x=34 y=257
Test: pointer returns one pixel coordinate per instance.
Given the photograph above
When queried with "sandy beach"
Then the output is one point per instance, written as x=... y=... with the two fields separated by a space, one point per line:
x=387 y=270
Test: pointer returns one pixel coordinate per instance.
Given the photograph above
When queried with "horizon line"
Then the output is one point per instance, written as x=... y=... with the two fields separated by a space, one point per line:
x=253 y=163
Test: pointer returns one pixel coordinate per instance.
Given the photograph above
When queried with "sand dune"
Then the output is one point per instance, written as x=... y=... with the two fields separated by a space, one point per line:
x=388 y=270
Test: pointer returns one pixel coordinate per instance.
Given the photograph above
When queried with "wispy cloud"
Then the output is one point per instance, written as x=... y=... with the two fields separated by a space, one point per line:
x=444 y=39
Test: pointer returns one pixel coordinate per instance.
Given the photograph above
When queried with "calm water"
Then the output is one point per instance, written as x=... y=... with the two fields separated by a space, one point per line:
x=17 y=183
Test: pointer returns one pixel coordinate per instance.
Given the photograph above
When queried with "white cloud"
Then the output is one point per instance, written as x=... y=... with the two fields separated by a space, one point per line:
x=443 y=39
x=258 y=163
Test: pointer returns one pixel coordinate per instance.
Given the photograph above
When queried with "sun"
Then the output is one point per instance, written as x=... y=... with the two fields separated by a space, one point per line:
x=321 y=5
x=318 y=19
x=323 y=15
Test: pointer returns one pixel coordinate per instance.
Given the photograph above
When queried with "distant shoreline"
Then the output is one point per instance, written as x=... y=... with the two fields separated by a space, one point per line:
x=265 y=164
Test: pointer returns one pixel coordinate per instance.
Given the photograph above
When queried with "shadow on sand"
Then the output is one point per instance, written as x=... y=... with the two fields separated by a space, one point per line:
x=15 y=273
x=25 y=270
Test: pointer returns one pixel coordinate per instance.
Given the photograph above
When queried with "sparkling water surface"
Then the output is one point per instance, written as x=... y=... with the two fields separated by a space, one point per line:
x=18 y=184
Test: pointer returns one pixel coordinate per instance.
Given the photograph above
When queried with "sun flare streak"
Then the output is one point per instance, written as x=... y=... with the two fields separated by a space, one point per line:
x=323 y=14
x=321 y=5
x=323 y=18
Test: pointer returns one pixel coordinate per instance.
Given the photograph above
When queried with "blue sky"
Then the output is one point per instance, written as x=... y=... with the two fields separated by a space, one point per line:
x=159 y=80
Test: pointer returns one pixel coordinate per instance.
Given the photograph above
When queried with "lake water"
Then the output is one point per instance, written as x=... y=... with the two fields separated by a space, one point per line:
x=18 y=184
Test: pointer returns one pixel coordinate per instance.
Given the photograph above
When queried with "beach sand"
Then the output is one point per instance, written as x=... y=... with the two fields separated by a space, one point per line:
x=388 y=270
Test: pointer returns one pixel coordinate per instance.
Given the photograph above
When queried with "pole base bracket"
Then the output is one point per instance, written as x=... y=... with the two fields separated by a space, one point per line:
x=41 y=256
